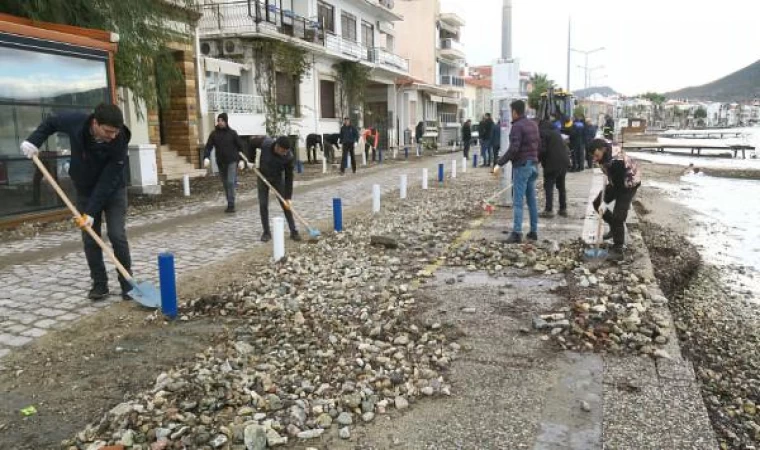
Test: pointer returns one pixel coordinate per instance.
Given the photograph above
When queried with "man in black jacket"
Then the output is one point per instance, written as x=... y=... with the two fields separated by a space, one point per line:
x=228 y=147
x=276 y=165
x=98 y=159
x=349 y=135
x=623 y=181
x=555 y=158
x=467 y=137
x=485 y=129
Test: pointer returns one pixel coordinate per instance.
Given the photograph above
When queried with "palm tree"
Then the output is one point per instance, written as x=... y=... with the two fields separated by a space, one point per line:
x=540 y=83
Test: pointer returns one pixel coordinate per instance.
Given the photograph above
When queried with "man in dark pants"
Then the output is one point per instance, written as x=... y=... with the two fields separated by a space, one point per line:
x=467 y=137
x=98 y=159
x=590 y=134
x=623 y=180
x=276 y=165
x=485 y=128
x=577 y=143
x=228 y=147
x=555 y=158
x=349 y=135
x=495 y=142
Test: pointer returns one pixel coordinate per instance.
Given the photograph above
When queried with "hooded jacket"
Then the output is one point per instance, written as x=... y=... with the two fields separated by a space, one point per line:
x=98 y=169
x=226 y=142
x=277 y=169
x=553 y=152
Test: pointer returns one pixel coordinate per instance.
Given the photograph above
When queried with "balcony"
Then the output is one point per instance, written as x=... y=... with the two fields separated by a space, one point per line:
x=251 y=18
x=389 y=60
x=235 y=103
x=447 y=118
x=450 y=80
x=346 y=47
x=453 y=17
x=452 y=50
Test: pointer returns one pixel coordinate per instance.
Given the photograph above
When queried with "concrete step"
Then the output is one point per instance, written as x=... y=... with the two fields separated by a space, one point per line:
x=195 y=173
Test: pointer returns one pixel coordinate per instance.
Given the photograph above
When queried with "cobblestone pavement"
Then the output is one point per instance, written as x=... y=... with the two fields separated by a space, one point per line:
x=50 y=292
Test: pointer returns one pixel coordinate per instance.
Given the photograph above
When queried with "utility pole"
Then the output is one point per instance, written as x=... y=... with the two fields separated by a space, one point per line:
x=585 y=66
x=569 y=48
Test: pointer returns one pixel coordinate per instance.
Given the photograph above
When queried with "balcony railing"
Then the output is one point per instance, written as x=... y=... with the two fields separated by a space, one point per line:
x=235 y=103
x=450 y=80
x=451 y=44
x=447 y=117
x=346 y=47
x=385 y=58
x=252 y=16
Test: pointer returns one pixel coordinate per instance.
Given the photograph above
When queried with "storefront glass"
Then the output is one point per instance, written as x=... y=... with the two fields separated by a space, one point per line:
x=38 y=78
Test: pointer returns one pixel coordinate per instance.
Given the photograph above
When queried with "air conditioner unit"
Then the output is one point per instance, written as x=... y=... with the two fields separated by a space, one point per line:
x=210 y=48
x=232 y=47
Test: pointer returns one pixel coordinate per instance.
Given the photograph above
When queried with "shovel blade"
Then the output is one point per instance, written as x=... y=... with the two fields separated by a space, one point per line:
x=595 y=253
x=313 y=232
x=145 y=294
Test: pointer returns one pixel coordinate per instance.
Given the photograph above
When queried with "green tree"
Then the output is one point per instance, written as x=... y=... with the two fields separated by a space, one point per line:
x=145 y=27
x=579 y=111
x=654 y=97
x=540 y=83
x=353 y=78
x=700 y=113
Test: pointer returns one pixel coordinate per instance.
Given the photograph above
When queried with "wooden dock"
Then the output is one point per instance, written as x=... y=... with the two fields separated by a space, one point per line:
x=694 y=148
x=702 y=135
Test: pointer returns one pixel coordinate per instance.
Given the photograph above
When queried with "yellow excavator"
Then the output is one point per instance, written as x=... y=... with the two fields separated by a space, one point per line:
x=556 y=102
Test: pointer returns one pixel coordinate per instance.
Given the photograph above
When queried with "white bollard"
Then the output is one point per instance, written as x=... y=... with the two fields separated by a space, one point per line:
x=364 y=156
x=348 y=160
x=278 y=238
x=464 y=165
x=375 y=198
x=453 y=168
x=186 y=184
x=258 y=159
x=395 y=152
x=324 y=163
x=402 y=189
x=424 y=178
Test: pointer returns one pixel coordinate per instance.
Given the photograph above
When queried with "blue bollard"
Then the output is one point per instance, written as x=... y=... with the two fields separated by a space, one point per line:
x=440 y=173
x=299 y=166
x=406 y=152
x=337 y=215
x=474 y=161
x=168 y=285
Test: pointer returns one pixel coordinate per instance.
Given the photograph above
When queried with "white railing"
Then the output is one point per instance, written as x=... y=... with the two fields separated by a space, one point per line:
x=346 y=47
x=447 y=117
x=235 y=103
x=450 y=80
x=451 y=44
x=388 y=59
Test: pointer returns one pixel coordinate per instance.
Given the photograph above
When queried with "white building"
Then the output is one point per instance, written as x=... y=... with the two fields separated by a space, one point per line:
x=331 y=31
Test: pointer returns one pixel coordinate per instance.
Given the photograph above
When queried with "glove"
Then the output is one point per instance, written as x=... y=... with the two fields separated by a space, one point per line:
x=206 y=163
x=29 y=150
x=287 y=204
x=84 y=221
x=496 y=170
x=241 y=165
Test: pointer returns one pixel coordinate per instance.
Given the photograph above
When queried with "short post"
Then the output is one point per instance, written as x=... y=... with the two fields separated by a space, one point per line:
x=440 y=172
x=380 y=155
x=337 y=215
x=464 y=165
x=406 y=152
x=186 y=184
x=278 y=238
x=299 y=166
x=453 y=168
x=424 y=178
x=375 y=198
x=474 y=161
x=324 y=164
x=168 y=285
x=402 y=188
x=364 y=156
x=395 y=152
x=349 y=161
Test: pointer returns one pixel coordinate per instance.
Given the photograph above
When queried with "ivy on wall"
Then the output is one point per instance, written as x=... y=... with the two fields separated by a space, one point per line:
x=353 y=80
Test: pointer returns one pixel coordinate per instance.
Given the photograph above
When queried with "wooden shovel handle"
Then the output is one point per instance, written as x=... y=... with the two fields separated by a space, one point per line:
x=78 y=215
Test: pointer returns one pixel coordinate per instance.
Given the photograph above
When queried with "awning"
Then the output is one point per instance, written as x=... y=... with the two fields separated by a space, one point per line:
x=222 y=66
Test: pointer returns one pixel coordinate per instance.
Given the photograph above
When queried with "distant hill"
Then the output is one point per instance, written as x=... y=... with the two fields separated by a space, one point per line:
x=588 y=92
x=741 y=85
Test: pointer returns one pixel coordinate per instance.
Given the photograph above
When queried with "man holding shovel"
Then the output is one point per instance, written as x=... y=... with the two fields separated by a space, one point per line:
x=98 y=157
x=623 y=180
x=276 y=166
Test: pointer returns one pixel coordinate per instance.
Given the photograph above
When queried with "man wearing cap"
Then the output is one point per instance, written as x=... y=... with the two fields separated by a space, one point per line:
x=228 y=147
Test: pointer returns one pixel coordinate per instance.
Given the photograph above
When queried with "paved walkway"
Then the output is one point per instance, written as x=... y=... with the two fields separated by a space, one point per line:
x=48 y=289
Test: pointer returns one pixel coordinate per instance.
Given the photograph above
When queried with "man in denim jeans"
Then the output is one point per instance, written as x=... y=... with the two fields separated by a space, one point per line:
x=524 y=141
x=228 y=147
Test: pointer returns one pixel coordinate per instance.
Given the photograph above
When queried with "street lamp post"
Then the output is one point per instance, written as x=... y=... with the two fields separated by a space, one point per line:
x=586 y=53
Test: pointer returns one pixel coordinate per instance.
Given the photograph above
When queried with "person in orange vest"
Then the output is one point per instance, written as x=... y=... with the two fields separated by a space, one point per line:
x=371 y=136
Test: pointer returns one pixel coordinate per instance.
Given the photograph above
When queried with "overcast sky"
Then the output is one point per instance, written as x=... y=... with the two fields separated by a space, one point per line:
x=658 y=45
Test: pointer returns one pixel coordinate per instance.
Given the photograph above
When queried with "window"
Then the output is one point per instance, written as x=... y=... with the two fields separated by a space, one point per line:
x=327 y=99
x=287 y=94
x=368 y=35
x=326 y=16
x=389 y=42
x=221 y=82
x=348 y=26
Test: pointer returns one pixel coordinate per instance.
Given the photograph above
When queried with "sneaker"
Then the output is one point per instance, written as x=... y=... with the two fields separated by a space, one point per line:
x=98 y=292
x=546 y=214
x=266 y=237
x=532 y=236
x=230 y=209
x=514 y=238
x=562 y=212
x=295 y=236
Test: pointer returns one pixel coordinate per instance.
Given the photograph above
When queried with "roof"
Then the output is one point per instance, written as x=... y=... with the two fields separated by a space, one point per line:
x=485 y=71
x=478 y=82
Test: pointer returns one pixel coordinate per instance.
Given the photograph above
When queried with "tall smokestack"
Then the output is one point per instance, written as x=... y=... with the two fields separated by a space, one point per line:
x=506 y=30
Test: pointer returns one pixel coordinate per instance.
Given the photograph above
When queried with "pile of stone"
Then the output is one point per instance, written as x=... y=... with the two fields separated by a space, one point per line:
x=497 y=257
x=318 y=343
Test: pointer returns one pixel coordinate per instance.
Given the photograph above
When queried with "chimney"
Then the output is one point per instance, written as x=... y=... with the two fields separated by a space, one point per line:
x=506 y=30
